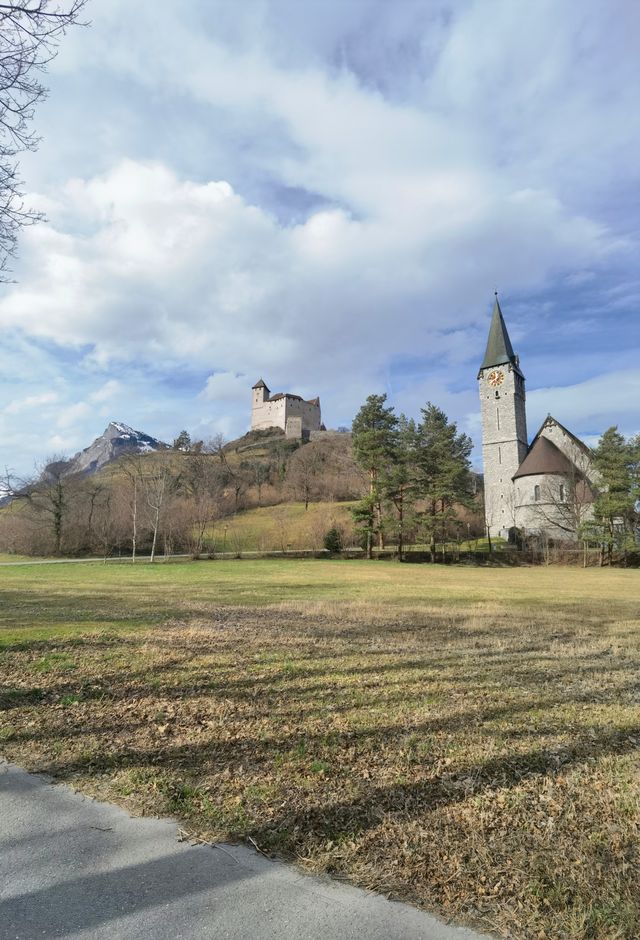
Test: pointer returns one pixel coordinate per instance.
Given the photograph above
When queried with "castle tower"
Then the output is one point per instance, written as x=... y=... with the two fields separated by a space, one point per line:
x=504 y=425
x=260 y=393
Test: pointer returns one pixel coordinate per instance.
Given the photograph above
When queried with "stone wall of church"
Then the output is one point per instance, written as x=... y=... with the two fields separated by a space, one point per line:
x=564 y=442
x=546 y=502
x=504 y=445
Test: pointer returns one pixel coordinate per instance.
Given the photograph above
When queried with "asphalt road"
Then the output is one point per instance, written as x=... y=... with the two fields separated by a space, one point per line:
x=72 y=867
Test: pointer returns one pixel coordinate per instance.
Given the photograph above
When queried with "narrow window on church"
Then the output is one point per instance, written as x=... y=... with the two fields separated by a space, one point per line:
x=536 y=493
x=498 y=417
x=499 y=455
x=562 y=492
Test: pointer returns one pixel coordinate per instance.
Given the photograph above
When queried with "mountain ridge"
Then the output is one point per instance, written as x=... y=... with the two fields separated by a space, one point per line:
x=116 y=440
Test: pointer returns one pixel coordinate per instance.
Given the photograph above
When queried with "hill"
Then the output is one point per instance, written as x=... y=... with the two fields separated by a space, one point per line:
x=285 y=527
x=261 y=492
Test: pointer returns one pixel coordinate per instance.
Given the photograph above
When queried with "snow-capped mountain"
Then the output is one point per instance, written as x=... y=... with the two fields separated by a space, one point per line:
x=116 y=440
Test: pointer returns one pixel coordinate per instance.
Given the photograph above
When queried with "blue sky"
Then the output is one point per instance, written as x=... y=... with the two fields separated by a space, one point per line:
x=326 y=194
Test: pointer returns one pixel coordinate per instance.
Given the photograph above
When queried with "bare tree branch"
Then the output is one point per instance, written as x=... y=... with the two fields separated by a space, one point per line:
x=29 y=33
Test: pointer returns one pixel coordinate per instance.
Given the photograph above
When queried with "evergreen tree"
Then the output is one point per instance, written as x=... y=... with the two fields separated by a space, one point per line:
x=182 y=441
x=443 y=471
x=398 y=482
x=615 y=507
x=375 y=431
x=333 y=541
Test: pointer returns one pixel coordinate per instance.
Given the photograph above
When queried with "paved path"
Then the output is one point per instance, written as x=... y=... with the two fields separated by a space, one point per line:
x=72 y=867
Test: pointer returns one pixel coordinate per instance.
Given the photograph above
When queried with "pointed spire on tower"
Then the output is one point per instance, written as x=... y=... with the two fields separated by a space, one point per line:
x=499 y=350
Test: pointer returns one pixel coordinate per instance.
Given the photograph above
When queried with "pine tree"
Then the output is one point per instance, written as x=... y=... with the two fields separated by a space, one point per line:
x=443 y=471
x=375 y=430
x=398 y=481
x=616 y=462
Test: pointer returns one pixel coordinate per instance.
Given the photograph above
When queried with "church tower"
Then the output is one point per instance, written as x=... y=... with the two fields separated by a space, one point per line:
x=504 y=425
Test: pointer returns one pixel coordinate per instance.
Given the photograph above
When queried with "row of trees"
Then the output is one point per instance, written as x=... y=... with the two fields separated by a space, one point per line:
x=419 y=475
x=168 y=501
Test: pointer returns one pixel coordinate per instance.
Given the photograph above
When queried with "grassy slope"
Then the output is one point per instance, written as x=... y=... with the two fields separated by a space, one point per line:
x=287 y=525
x=466 y=738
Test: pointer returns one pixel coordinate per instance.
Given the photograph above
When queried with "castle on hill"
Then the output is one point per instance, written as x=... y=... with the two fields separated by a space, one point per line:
x=292 y=413
x=546 y=487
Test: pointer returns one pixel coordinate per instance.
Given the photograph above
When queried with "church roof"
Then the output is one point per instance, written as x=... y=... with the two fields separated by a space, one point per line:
x=543 y=457
x=499 y=350
x=550 y=420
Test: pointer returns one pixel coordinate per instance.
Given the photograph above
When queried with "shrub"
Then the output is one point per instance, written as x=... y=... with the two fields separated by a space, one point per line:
x=333 y=540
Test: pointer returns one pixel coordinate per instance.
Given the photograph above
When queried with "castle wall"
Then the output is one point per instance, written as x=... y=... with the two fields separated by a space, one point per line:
x=308 y=413
x=267 y=412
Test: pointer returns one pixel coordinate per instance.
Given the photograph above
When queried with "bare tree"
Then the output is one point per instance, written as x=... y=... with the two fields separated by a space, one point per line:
x=303 y=471
x=46 y=494
x=29 y=33
x=156 y=483
x=566 y=500
x=202 y=484
x=131 y=467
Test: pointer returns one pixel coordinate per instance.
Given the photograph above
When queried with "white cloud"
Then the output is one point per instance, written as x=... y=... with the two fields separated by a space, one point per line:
x=316 y=195
x=107 y=392
x=227 y=387
x=192 y=273
x=69 y=416
x=592 y=403
x=19 y=405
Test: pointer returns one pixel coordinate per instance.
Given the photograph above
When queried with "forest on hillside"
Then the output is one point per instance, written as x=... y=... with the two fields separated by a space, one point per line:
x=195 y=498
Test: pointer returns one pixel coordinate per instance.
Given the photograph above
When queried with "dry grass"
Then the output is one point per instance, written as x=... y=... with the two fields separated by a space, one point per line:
x=283 y=527
x=465 y=739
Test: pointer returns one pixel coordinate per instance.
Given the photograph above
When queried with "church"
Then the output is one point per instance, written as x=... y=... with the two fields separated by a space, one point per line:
x=543 y=488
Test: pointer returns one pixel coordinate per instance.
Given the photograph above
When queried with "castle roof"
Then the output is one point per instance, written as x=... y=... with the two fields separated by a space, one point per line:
x=281 y=395
x=261 y=384
x=499 y=350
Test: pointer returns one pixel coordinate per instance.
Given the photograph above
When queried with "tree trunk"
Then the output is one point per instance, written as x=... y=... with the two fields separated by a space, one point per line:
x=432 y=542
x=379 y=525
x=155 y=534
x=134 y=521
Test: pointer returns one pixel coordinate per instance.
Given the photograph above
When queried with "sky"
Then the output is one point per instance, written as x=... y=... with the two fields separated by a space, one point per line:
x=326 y=195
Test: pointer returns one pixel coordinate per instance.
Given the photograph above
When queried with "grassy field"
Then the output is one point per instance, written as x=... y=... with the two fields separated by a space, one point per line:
x=467 y=739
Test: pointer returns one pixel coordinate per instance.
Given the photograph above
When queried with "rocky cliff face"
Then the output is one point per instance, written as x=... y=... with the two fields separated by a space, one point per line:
x=117 y=440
